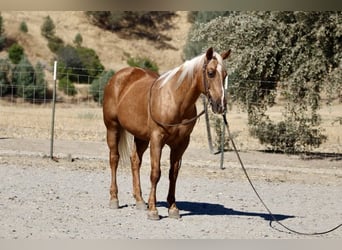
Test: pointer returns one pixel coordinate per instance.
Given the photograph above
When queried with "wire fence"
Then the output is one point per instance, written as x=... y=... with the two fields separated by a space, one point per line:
x=25 y=112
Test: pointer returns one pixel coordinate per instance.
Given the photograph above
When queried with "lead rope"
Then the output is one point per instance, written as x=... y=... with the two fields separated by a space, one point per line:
x=259 y=197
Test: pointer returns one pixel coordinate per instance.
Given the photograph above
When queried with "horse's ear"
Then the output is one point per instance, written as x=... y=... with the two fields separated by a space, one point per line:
x=225 y=54
x=209 y=54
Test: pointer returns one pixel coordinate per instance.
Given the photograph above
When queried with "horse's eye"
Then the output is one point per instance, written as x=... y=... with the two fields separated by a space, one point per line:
x=211 y=73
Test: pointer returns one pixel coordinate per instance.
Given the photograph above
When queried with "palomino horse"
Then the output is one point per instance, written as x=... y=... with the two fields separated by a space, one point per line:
x=158 y=110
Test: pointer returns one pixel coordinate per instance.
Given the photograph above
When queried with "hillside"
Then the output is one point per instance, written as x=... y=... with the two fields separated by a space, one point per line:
x=109 y=46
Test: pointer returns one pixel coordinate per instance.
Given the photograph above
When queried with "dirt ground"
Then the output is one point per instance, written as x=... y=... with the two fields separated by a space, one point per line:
x=68 y=199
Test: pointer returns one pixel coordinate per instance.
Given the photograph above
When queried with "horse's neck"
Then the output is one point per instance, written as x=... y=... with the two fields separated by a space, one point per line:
x=187 y=93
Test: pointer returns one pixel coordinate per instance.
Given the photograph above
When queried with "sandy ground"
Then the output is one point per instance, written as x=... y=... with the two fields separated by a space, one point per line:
x=68 y=199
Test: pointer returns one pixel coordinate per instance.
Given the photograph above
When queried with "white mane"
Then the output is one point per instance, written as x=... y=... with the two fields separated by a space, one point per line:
x=187 y=70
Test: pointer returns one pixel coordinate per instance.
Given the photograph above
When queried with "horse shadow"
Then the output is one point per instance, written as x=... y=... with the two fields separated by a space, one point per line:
x=202 y=208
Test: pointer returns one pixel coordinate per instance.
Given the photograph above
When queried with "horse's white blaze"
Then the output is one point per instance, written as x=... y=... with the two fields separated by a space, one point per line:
x=219 y=69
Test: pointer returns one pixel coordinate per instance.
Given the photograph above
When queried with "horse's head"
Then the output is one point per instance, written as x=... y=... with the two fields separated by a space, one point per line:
x=214 y=74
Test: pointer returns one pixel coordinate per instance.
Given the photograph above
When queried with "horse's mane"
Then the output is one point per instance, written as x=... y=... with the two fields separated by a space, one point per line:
x=187 y=70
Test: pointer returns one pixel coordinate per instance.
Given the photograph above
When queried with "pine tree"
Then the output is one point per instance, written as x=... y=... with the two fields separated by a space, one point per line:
x=48 y=28
x=23 y=79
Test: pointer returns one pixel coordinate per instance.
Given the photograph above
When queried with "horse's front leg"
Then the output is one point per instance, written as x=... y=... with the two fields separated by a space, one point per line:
x=155 y=151
x=175 y=164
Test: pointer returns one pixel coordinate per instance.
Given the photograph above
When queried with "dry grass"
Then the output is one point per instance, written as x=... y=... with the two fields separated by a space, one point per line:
x=83 y=122
x=109 y=46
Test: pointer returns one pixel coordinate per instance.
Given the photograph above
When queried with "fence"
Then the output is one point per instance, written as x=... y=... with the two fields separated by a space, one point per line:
x=79 y=117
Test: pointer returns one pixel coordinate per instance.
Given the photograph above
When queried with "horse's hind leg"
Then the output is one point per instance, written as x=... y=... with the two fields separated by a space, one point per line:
x=175 y=164
x=113 y=136
x=136 y=159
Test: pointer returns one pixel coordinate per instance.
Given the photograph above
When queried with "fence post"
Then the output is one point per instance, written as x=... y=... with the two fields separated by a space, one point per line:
x=53 y=108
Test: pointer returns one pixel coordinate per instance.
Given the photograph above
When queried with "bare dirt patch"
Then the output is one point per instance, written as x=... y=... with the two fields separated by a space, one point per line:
x=43 y=199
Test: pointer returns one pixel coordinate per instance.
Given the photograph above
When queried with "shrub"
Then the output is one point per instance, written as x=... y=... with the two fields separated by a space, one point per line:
x=23 y=78
x=15 y=53
x=78 y=40
x=4 y=80
x=97 y=86
x=91 y=62
x=142 y=62
x=40 y=83
x=67 y=86
x=84 y=64
x=2 y=32
x=48 y=28
x=55 y=43
x=23 y=27
x=289 y=136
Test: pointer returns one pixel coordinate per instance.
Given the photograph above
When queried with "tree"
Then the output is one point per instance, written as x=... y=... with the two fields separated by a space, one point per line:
x=84 y=63
x=298 y=48
x=142 y=62
x=136 y=24
x=15 y=53
x=5 y=67
x=2 y=32
x=40 y=83
x=48 y=28
x=23 y=78
x=23 y=27
x=97 y=86
x=78 y=40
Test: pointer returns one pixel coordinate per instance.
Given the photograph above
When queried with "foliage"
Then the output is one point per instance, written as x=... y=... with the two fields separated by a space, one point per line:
x=135 y=24
x=192 y=49
x=48 y=28
x=23 y=77
x=2 y=33
x=142 y=62
x=84 y=63
x=48 y=31
x=301 y=49
x=5 y=67
x=40 y=82
x=23 y=27
x=15 y=53
x=55 y=43
x=65 y=85
x=97 y=86
x=78 y=40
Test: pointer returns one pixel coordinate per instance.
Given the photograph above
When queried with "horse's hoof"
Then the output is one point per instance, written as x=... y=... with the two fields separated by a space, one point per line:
x=153 y=215
x=174 y=213
x=114 y=204
x=141 y=205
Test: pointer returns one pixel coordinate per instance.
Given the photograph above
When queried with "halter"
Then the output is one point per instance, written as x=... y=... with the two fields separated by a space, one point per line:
x=205 y=83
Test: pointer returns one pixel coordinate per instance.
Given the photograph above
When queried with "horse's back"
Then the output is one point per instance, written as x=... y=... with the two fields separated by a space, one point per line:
x=126 y=97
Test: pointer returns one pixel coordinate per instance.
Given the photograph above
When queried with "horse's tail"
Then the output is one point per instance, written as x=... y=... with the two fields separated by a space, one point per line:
x=125 y=145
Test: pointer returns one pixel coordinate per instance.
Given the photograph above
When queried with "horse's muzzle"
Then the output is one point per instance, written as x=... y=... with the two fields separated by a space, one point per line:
x=218 y=107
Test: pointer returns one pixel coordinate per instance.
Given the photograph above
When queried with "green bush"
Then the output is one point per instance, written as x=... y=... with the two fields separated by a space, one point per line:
x=289 y=136
x=4 y=79
x=97 y=86
x=48 y=28
x=23 y=79
x=2 y=32
x=55 y=43
x=78 y=40
x=23 y=27
x=142 y=62
x=15 y=53
x=67 y=86
x=83 y=63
